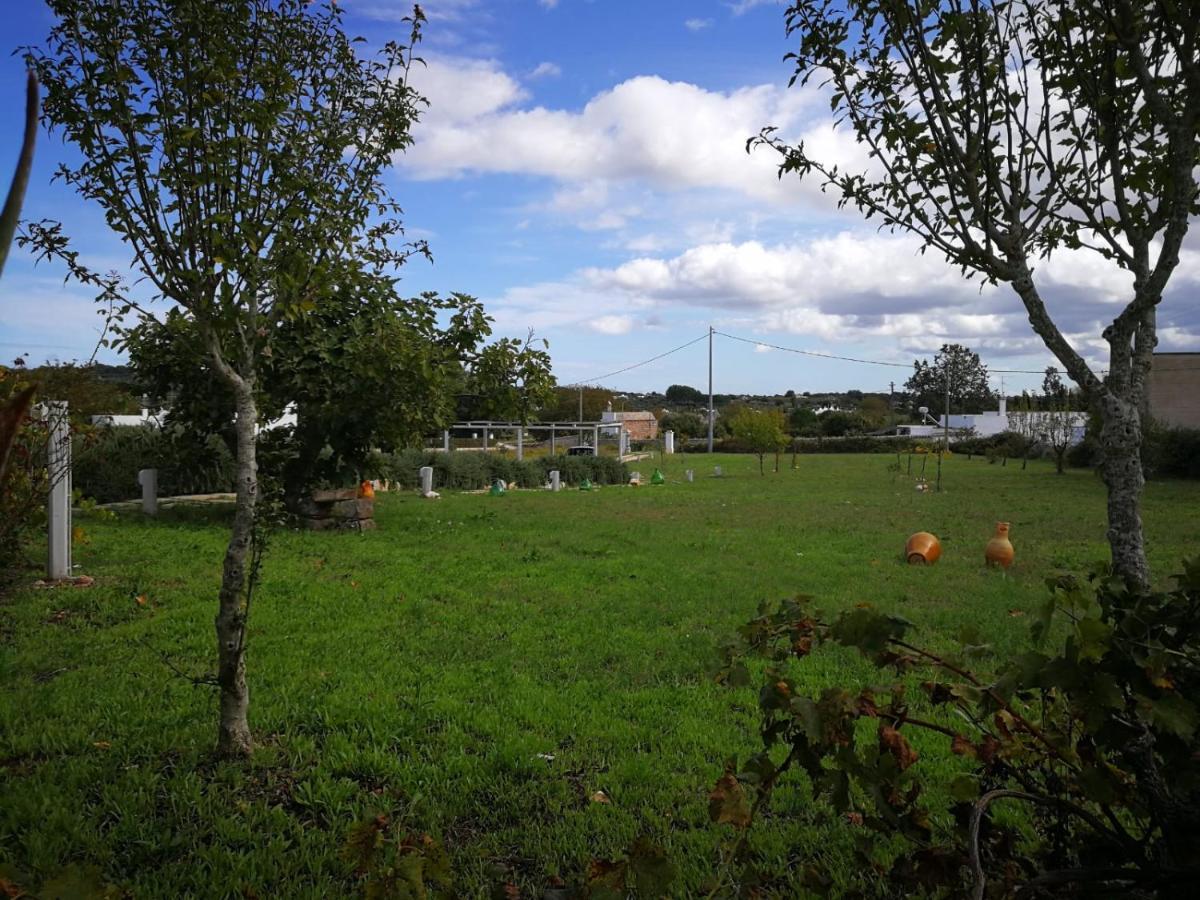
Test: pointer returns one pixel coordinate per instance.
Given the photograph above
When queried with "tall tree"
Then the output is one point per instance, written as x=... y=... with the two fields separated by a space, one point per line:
x=511 y=378
x=238 y=149
x=956 y=370
x=1001 y=133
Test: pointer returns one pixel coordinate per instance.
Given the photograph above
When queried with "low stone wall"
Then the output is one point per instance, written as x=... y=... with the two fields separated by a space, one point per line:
x=339 y=510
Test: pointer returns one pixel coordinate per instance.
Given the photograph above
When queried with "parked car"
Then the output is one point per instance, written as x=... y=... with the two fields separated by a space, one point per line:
x=581 y=450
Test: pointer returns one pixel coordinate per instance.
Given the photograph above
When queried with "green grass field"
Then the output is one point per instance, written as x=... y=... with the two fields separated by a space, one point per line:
x=480 y=666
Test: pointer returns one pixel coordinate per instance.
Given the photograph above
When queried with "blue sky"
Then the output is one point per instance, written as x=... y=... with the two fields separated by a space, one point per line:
x=582 y=170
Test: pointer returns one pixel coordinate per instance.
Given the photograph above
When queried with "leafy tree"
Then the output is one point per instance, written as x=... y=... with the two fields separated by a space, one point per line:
x=238 y=149
x=803 y=420
x=512 y=378
x=835 y=423
x=874 y=411
x=1052 y=385
x=1056 y=427
x=968 y=381
x=86 y=393
x=1023 y=423
x=686 y=425
x=682 y=394
x=761 y=431
x=564 y=405
x=1001 y=133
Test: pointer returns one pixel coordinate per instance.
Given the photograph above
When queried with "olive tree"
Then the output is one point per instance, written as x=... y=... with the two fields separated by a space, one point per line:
x=1000 y=133
x=238 y=148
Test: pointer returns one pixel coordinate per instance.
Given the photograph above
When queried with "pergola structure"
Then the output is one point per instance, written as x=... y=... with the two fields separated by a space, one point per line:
x=555 y=428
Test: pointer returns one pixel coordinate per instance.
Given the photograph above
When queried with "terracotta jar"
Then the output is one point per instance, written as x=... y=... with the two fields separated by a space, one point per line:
x=366 y=490
x=999 y=550
x=922 y=549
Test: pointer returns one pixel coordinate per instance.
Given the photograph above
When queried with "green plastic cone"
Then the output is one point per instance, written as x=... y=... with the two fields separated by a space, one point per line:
x=657 y=477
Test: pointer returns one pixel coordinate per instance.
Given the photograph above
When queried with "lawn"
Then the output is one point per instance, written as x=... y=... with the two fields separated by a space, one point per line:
x=480 y=667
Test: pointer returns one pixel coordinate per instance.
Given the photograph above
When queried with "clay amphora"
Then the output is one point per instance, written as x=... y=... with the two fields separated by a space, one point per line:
x=922 y=549
x=999 y=550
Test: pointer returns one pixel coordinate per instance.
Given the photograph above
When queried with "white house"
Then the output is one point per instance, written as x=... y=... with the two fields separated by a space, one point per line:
x=987 y=424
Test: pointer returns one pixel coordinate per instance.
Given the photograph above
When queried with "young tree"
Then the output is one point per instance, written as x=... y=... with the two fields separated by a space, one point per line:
x=956 y=369
x=238 y=149
x=1023 y=422
x=512 y=378
x=1056 y=427
x=760 y=430
x=1003 y=132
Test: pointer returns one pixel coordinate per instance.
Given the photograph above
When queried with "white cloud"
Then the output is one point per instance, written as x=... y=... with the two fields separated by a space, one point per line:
x=549 y=4
x=670 y=136
x=545 y=70
x=697 y=24
x=841 y=289
x=741 y=7
x=762 y=348
x=614 y=325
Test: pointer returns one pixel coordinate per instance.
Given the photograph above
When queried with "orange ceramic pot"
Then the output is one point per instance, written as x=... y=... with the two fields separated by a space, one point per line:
x=922 y=549
x=366 y=490
x=999 y=550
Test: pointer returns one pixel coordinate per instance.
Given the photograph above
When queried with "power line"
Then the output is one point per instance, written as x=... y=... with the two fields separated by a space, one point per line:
x=643 y=362
x=855 y=359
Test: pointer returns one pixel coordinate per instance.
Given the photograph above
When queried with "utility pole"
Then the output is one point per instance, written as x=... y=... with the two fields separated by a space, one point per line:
x=710 y=393
x=581 y=403
x=946 y=428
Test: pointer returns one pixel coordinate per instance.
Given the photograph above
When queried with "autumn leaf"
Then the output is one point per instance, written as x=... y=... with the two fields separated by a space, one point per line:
x=893 y=742
x=727 y=803
x=960 y=746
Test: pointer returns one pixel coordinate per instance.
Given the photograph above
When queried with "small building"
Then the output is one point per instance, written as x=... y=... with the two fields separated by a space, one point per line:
x=641 y=425
x=1173 y=389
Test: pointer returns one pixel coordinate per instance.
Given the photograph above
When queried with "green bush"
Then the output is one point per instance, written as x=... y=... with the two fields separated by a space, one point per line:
x=465 y=470
x=1091 y=739
x=1171 y=452
x=106 y=462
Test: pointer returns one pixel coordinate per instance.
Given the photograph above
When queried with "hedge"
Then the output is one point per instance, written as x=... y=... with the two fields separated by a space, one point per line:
x=106 y=461
x=852 y=444
x=471 y=470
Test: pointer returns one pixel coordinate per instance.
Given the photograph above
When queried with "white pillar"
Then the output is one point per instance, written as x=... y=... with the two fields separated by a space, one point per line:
x=622 y=442
x=427 y=479
x=58 y=505
x=520 y=444
x=717 y=471
x=668 y=442
x=446 y=441
x=553 y=445
x=690 y=474
x=555 y=480
x=596 y=438
x=148 y=479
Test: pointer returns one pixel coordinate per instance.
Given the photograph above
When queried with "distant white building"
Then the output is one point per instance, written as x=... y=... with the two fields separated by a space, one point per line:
x=145 y=418
x=987 y=424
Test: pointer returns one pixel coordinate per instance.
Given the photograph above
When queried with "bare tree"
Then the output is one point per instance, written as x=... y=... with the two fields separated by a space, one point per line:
x=1002 y=132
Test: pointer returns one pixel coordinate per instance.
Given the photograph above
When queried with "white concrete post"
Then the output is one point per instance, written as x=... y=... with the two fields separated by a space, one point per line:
x=485 y=431
x=623 y=443
x=596 y=438
x=446 y=441
x=426 y=480
x=555 y=480
x=58 y=504
x=668 y=442
x=553 y=443
x=520 y=444
x=148 y=479
x=717 y=471
x=691 y=475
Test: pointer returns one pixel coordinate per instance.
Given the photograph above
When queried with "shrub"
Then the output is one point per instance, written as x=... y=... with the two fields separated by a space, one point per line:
x=465 y=470
x=106 y=462
x=1171 y=452
x=1099 y=742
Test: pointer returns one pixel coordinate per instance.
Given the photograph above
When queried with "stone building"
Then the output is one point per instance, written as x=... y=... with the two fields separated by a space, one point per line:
x=641 y=425
x=1174 y=389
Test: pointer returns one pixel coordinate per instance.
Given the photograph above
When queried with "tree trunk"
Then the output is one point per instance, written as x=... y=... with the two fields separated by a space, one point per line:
x=233 y=734
x=761 y=470
x=1121 y=469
